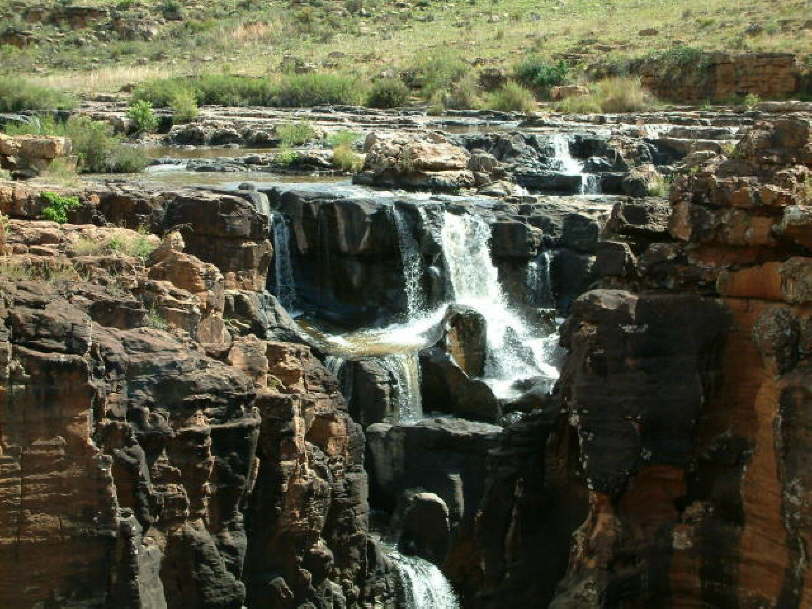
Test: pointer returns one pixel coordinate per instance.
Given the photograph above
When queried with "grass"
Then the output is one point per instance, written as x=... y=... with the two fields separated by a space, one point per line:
x=343 y=137
x=184 y=106
x=124 y=244
x=46 y=270
x=297 y=90
x=18 y=94
x=346 y=159
x=97 y=148
x=291 y=90
x=250 y=38
x=614 y=95
x=512 y=97
x=295 y=134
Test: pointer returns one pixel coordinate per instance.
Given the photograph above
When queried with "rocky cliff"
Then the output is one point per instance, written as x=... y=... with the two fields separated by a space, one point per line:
x=153 y=452
x=667 y=468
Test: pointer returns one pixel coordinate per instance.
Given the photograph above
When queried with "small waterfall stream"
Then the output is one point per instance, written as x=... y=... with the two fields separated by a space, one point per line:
x=569 y=165
x=284 y=284
x=405 y=368
x=514 y=348
x=412 y=266
x=424 y=585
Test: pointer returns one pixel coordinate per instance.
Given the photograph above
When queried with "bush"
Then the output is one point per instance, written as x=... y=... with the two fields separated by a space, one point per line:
x=539 y=75
x=617 y=94
x=464 y=95
x=126 y=159
x=18 y=94
x=298 y=90
x=97 y=149
x=345 y=158
x=437 y=71
x=58 y=206
x=184 y=106
x=212 y=89
x=387 y=93
x=294 y=134
x=512 y=97
x=143 y=116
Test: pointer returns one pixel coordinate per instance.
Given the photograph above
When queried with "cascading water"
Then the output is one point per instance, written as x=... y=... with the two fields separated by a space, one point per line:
x=539 y=283
x=412 y=264
x=405 y=367
x=424 y=585
x=514 y=347
x=569 y=165
x=284 y=287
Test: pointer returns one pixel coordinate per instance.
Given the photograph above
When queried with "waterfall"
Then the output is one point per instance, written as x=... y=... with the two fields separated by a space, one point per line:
x=514 y=350
x=284 y=287
x=412 y=264
x=569 y=165
x=405 y=367
x=334 y=364
x=539 y=281
x=424 y=585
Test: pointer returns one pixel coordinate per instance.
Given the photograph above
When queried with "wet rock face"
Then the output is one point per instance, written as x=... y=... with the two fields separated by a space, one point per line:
x=347 y=259
x=669 y=464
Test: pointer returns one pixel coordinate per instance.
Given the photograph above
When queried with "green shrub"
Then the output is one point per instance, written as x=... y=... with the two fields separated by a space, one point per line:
x=463 y=95
x=295 y=134
x=58 y=206
x=298 y=90
x=285 y=158
x=208 y=89
x=161 y=91
x=345 y=158
x=143 y=116
x=512 y=97
x=387 y=93
x=18 y=94
x=437 y=71
x=126 y=159
x=184 y=106
x=97 y=149
x=540 y=75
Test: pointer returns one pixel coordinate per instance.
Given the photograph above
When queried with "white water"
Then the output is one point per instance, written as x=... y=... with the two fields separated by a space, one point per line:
x=515 y=351
x=284 y=284
x=412 y=264
x=424 y=585
x=405 y=367
x=539 y=282
x=569 y=165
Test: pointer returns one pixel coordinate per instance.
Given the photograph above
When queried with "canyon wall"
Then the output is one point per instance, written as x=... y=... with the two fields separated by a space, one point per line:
x=666 y=470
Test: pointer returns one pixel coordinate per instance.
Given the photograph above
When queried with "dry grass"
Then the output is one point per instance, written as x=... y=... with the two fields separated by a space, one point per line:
x=250 y=38
x=611 y=95
x=108 y=80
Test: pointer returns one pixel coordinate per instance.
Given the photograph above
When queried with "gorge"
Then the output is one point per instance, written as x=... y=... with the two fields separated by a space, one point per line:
x=496 y=368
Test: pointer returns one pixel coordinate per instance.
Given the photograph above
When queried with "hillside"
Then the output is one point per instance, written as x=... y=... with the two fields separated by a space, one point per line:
x=100 y=45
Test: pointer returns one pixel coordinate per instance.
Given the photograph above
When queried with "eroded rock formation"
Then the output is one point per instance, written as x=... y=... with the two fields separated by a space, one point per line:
x=673 y=455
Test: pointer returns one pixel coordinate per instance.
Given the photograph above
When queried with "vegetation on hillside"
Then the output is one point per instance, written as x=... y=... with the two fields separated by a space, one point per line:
x=141 y=39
